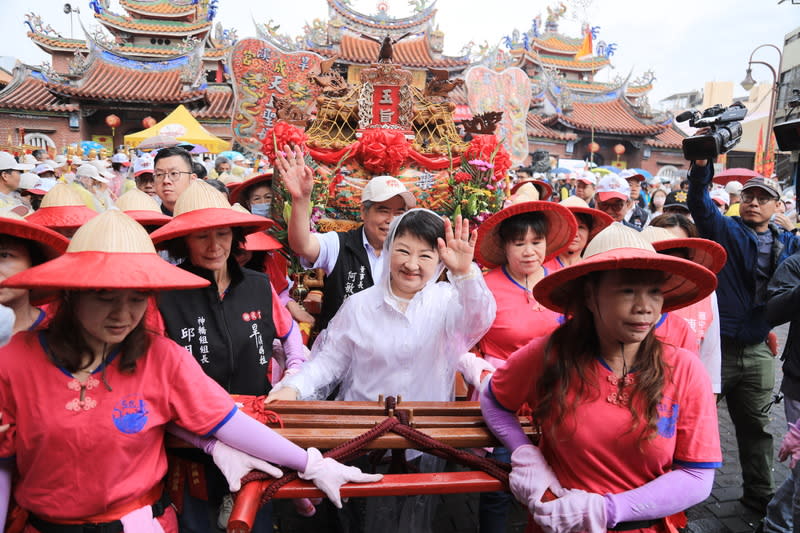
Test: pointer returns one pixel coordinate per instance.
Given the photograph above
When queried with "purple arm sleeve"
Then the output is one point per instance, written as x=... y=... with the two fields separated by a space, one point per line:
x=204 y=443
x=284 y=296
x=293 y=348
x=254 y=438
x=503 y=423
x=667 y=494
x=6 y=468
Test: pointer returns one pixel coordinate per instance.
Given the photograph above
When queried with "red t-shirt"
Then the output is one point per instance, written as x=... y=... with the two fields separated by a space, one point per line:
x=553 y=265
x=77 y=461
x=519 y=317
x=674 y=330
x=594 y=449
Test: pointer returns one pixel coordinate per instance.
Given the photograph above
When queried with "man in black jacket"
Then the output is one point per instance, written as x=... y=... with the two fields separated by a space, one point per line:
x=783 y=305
x=351 y=260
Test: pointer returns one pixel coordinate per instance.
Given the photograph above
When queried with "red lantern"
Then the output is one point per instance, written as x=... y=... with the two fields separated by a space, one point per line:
x=113 y=121
x=594 y=147
x=619 y=149
x=148 y=122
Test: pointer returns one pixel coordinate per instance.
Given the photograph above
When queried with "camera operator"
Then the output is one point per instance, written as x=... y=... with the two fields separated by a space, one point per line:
x=755 y=249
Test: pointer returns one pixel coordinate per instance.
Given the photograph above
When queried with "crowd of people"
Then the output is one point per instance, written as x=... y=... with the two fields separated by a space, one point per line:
x=612 y=309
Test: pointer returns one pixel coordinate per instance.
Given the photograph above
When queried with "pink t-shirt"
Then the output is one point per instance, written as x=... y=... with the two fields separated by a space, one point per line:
x=553 y=265
x=79 y=460
x=699 y=316
x=594 y=449
x=674 y=330
x=519 y=317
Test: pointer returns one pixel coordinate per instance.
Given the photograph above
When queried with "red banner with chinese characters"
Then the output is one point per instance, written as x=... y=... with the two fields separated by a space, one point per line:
x=263 y=73
x=385 y=103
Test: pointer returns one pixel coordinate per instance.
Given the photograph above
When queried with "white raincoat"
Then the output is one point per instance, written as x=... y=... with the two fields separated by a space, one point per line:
x=372 y=346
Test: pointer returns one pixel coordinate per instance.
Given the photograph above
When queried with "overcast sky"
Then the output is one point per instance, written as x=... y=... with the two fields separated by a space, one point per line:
x=685 y=42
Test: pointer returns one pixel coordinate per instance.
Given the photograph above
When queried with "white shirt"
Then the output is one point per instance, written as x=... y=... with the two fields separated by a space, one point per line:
x=329 y=254
x=372 y=347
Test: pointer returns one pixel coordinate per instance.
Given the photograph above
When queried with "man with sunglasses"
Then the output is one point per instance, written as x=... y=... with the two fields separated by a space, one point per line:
x=172 y=172
x=755 y=248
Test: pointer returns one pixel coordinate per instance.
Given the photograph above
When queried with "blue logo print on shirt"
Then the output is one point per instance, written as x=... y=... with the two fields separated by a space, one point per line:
x=667 y=418
x=130 y=414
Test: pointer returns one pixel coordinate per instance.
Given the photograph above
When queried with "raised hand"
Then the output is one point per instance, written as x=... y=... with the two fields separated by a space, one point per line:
x=297 y=177
x=458 y=246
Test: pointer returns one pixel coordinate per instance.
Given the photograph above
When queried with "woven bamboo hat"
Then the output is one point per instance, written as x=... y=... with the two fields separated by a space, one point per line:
x=258 y=241
x=141 y=207
x=111 y=251
x=544 y=189
x=701 y=251
x=619 y=247
x=237 y=189
x=561 y=229
x=62 y=208
x=51 y=243
x=600 y=220
x=202 y=207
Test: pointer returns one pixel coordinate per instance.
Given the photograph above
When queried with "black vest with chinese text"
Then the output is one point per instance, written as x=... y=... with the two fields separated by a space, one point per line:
x=350 y=275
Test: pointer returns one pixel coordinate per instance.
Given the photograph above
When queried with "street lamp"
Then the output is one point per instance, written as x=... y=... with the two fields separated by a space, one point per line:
x=748 y=83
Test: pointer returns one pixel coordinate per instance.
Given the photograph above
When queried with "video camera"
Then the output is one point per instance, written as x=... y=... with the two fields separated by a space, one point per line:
x=726 y=130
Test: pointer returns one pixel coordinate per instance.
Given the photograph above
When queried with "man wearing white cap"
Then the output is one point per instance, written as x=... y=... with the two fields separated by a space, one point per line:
x=352 y=260
x=89 y=185
x=734 y=190
x=613 y=198
x=143 y=175
x=119 y=167
x=637 y=215
x=585 y=186
x=10 y=174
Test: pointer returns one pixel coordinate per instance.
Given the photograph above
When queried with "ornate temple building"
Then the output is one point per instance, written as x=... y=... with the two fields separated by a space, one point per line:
x=162 y=53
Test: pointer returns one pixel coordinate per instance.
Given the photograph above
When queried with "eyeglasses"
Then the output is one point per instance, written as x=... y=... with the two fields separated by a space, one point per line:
x=748 y=197
x=173 y=175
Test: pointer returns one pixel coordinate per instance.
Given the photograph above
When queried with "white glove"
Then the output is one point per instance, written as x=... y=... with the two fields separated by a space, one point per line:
x=531 y=476
x=328 y=475
x=141 y=521
x=576 y=511
x=471 y=367
x=234 y=464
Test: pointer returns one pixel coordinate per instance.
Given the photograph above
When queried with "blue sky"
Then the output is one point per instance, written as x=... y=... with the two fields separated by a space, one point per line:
x=685 y=42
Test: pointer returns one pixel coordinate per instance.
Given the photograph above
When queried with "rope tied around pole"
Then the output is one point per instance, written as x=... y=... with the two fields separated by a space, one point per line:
x=393 y=423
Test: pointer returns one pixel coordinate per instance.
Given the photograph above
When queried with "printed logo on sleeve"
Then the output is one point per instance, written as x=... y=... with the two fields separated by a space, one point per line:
x=667 y=418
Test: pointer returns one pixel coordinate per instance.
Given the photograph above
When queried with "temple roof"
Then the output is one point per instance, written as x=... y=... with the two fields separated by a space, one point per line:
x=561 y=62
x=557 y=43
x=408 y=53
x=113 y=78
x=537 y=130
x=28 y=91
x=153 y=26
x=160 y=8
x=415 y=23
x=218 y=103
x=669 y=138
x=50 y=43
x=615 y=117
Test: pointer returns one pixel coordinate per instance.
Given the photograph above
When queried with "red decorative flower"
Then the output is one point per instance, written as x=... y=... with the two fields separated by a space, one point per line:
x=383 y=151
x=281 y=135
x=462 y=177
x=486 y=148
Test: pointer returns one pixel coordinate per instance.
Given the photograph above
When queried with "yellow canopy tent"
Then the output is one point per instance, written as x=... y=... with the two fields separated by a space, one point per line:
x=185 y=128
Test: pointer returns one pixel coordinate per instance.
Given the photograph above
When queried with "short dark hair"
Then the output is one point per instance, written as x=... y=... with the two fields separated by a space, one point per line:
x=171 y=152
x=582 y=218
x=200 y=170
x=36 y=153
x=35 y=251
x=671 y=220
x=516 y=227
x=423 y=225
x=177 y=247
x=221 y=187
